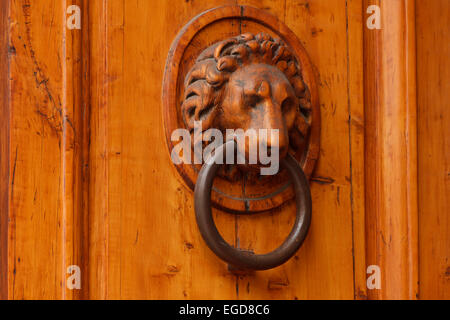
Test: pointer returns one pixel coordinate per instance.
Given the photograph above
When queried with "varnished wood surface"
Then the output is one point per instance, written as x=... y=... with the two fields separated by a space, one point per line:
x=391 y=150
x=44 y=100
x=128 y=220
x=433 y=73
x=355 y=22
x=86 y=178
x=328 y=247
x=4 y=147
x=187 y=273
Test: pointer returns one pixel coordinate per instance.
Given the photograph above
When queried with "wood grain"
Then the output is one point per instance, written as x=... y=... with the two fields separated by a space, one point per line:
x=86 y=179
x=130 y=219
x=125 y=243
x=45 y=98
x=391 y=150
x=355 y=23
x=433 y=72
x=5 y=123
x=143 y=237
x=312 y=274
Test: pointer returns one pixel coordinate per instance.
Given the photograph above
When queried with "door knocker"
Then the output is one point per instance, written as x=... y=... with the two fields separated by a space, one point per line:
x=256 y=78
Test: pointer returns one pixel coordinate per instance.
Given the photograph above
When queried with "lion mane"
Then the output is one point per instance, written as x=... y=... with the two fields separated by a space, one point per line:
x=205 y=82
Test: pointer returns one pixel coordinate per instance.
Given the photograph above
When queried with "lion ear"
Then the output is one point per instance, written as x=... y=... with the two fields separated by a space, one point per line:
x=219 y=50
x=199 y=104
x=214 y=77
x=247 y=36
x=198 y=71
x=228 y=64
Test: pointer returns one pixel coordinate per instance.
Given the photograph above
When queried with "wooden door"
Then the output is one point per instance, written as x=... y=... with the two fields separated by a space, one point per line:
x=86 y=177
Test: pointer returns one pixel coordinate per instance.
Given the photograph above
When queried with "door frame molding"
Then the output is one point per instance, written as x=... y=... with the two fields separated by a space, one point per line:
x=391 y=150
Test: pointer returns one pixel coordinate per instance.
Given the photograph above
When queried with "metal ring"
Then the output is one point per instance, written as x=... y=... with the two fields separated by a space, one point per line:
x=242 y=259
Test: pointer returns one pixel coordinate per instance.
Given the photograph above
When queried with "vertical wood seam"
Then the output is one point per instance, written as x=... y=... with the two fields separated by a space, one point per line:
x=63 y=151
x=350 y=147
x=412 y=164
x=85 y=150
x=5 y=152
x=416 y=61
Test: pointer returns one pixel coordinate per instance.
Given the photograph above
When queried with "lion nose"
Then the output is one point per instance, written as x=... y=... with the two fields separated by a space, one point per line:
x=273 y=120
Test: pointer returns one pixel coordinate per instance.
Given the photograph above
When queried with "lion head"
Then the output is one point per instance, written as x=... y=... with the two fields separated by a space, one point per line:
x=249 y=81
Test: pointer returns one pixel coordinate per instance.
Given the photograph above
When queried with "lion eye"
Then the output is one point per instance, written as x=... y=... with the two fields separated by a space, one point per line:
x=287 y=104
x=191 y=111
x=252 y=100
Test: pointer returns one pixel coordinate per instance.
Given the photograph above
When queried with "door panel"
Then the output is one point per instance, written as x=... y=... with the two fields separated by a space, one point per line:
x=145 y=235
x=87 y=179
x=146 y=238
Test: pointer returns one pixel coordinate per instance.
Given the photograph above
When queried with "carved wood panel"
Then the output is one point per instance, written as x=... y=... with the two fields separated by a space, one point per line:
x=86 y=178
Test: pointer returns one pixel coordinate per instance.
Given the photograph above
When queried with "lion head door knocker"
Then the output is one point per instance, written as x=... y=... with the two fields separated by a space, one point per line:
x=259 y=81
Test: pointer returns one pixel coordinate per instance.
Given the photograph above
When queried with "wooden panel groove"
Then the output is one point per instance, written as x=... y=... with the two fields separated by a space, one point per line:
x=5 y=145
x=354 y=20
